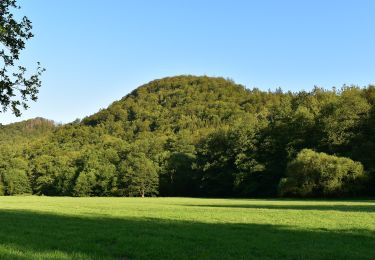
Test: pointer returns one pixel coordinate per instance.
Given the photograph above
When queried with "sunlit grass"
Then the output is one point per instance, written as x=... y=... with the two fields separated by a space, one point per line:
x=181 y=228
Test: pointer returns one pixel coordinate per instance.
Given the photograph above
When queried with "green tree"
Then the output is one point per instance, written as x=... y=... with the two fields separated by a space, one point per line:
x=139 y=176
x=96 y=174
x=84 y=184
x=228 y=164
x=43 y=175
x=215 y=162
x=16 y=88
x=66 y=174
x=314 y=174
x=177 y=178
x=16 y=182
x=13 y=176
x=340 y=120
x=2 y=188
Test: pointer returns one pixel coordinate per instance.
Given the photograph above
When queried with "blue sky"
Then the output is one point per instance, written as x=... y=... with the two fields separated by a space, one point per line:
x=96 y=52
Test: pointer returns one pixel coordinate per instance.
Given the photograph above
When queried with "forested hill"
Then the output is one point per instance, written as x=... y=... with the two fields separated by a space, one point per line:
x=26 y=130
x=203 y=136
x=173 y=105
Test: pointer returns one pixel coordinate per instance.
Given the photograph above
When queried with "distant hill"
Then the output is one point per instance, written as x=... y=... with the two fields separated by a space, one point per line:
x=26 y=130
x=175 y=104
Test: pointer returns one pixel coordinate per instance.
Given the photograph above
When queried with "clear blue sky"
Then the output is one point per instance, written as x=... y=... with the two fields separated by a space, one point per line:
x=97 y=51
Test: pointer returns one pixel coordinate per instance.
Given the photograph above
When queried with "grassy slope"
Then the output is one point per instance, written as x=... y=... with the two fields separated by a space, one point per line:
x=152 y=228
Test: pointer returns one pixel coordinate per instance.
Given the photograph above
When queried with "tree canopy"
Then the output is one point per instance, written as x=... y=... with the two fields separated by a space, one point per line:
x=202 y=136
x=314 y=174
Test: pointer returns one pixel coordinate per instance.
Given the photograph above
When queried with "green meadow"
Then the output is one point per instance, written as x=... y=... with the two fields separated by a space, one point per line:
x=185 y=228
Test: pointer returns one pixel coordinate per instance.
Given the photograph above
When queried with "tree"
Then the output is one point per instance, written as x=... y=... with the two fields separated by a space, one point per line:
x=215 y=162
x=314 y=174
x=227 y=162
x=84 y=184
x=16 y=88
x=1 y=187
x=139 y=175
x=14 y=179
x=97 y=175
x=177 y=177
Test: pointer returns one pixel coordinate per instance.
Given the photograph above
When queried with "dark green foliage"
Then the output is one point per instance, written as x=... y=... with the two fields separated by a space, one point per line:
x=96 y=176
x=227 y=161
x=16 y=182
x=195 y=136
x=215 y=161
x=2 y=188
x=314 y=174
x=177 y=177
x=13 y=177
x=138 y=176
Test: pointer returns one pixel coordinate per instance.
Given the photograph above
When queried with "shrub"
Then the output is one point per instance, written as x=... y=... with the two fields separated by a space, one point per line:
x=314 y=174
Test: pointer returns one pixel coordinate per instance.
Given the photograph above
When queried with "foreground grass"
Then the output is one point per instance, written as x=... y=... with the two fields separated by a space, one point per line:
x=181 y=228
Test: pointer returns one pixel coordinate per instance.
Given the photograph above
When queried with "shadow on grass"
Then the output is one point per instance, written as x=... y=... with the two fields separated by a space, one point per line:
x=28 y=235
x=344 y=208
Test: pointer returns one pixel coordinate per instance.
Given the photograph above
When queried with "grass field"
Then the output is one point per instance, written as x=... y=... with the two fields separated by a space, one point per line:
x=180 y=228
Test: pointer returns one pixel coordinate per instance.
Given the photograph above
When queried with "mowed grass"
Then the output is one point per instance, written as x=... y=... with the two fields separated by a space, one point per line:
x=185 y=228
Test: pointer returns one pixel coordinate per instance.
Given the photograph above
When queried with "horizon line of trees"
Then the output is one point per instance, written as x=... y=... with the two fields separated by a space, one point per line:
x=201 y=136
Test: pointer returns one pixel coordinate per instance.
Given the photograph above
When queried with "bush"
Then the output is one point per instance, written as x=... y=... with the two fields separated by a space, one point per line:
x=314 y=174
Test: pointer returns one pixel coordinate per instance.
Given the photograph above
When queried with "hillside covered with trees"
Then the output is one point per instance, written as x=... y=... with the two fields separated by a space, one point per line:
x=201 y=136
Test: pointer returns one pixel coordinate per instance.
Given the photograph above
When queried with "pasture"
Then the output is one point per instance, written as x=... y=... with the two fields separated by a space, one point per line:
x=185 y=228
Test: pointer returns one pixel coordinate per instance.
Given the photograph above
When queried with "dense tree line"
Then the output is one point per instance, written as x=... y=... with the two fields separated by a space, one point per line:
x=201 y=136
